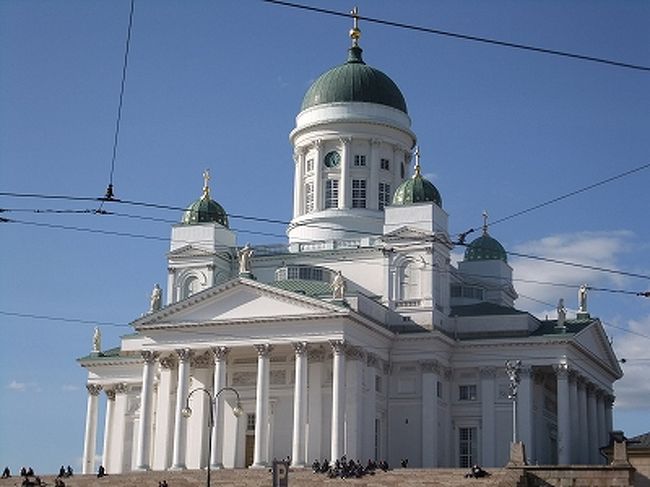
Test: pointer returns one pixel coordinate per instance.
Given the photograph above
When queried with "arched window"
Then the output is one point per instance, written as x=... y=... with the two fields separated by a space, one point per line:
x=408 y=281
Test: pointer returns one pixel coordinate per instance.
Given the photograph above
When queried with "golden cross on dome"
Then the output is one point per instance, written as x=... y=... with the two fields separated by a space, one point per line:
x=417 y=161
x=355 y=32
x=485 y=223
x=206 y=180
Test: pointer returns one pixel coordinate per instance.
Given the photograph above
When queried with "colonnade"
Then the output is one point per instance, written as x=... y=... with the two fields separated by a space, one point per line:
x=171 y=427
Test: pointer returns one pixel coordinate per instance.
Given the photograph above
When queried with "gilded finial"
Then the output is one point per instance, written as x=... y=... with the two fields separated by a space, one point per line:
x=206 y=180
x=355 y=32
x=417 y=162
x=485 y=222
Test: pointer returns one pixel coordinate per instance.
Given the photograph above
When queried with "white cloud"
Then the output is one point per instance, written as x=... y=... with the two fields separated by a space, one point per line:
x=17 y=386
x=633 y=390
x=598 y=249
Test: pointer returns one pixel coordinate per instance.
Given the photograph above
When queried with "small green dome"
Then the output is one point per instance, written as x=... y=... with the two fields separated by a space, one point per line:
x=417 y=190
x=485 y=248
x=354 y=81
x=205 y=209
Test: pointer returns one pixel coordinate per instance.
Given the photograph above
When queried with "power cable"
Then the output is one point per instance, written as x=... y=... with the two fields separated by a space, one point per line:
x=59 y=318
x=465 y=37
x=109 y=190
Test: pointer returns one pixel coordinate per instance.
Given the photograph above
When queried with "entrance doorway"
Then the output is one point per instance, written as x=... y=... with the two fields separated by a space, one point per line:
x=249 y=449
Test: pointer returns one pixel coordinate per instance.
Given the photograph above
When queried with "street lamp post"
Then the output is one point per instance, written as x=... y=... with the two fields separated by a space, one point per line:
x=513 y=370
x=187 y=412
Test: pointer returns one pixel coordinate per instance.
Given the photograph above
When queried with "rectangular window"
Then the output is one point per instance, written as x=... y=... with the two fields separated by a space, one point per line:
x=439 y=389
x=309 y=197
x=467 y=392
x=310 y=165
x=250 y=422
x=359 y=160
x=384 y=164
x=378 y=387
x=384 y=195
x=332 y=193
x=358 y=193
x=467 y=447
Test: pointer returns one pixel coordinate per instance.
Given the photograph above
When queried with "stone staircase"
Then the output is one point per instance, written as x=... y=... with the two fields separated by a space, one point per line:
x=443 y=477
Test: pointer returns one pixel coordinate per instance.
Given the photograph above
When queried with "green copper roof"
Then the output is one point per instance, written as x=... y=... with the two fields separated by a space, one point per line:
x=205 y=209
x=354 y=81
x=485 y=248
x=417 y=190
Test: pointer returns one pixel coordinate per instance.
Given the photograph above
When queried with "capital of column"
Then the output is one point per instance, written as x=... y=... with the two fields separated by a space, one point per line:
x=372 y=360
x=149 y=356
x=609 y=400
x=121 y=388
x=488 y=372
x=263 y=349
x=345 y=140
x=202 y=360
x=447 y=373
x=354 y=353
x=171 y=270
x=376 y=142
x=110 y=394
x=316 y=354
x=300 y=348
x=317 y=144
x=184 y=354
x=338 y=346
x=94 y=389
x=561 y=371
x=220 y=353
x=591 y=388
x=430 y=366
x=167 y=362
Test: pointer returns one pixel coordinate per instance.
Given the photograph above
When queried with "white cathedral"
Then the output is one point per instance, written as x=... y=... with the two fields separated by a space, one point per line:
x=358 y=338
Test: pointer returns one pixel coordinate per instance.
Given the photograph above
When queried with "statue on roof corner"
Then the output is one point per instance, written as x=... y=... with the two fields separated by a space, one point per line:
x=155 y=302
x=97 y=340
x=338 y=286
x=561 y=312
x=582 y=299
x=245 y=254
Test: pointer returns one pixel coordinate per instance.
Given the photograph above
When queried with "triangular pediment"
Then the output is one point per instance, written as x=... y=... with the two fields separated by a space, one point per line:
x=593 y=340
x=240 y=300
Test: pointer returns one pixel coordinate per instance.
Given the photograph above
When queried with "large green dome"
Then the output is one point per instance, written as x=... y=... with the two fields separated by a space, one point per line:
x=417 y=190
x=354 y=81
x=485 y=248
x=205 y=209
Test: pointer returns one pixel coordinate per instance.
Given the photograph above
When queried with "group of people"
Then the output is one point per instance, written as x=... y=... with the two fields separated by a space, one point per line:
x=6 y=473
x=65 y=472
x=162 y=483
x=345 y=468
x=476 y=472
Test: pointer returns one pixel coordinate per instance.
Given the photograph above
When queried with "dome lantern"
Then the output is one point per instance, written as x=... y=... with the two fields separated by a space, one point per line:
x=205 y=209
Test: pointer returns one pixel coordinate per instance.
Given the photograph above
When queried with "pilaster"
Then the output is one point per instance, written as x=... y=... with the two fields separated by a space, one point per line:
x=430 y=371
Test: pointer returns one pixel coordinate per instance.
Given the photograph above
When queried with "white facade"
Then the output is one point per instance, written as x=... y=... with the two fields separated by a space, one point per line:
x=409 y=363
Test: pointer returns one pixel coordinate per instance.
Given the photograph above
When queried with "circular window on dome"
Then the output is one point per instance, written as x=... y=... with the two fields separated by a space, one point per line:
x=332 y=159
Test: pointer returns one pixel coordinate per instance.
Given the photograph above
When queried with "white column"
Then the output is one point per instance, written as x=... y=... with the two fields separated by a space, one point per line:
x=220 y=357
x=563 y=414
x=119 y=439
x=146 y=397
x=373 y=180
x=315 y=419
x=162 y=455
x=260 y=458
x=488 y=415
x=299 y=405
x=298 y=183
x=575 y=418
x=338 y=399
x=525 y=408
x=90 y=436
x=592 y=421
x=345 y=193
x=609 y=404
x=319 y=201
x=430 y=370
x=180 y=422
x=353 y=402
x=584 y=427
x=108 y=428
x=370 y=408
x=198 y=433
x=603 y=434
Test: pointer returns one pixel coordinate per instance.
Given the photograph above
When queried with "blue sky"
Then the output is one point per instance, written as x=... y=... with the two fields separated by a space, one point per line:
x=218 y=83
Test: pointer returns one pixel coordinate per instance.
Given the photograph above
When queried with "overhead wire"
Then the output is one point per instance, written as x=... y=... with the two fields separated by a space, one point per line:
x=466 y=37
